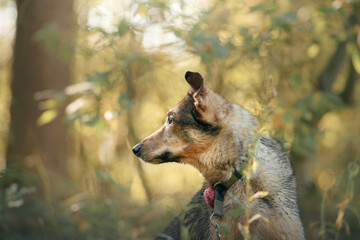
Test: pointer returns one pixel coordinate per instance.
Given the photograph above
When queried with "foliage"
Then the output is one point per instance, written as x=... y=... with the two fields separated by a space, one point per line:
x=125 y=77
x=75 y=214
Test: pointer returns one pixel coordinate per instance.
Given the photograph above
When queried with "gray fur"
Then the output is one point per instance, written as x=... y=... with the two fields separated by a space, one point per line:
x=213 y=135
x=275 y=164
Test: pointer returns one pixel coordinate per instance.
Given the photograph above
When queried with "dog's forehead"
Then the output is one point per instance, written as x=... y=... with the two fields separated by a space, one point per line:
x=173 y=111
x=170 y=112
x=183 y=106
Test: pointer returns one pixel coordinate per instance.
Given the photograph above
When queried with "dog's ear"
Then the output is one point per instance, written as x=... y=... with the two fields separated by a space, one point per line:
x=198 y=90
x=195 y=80
x=209 y=105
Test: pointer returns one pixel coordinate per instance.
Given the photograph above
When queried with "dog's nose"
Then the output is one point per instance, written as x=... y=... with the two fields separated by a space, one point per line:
x=136 y=149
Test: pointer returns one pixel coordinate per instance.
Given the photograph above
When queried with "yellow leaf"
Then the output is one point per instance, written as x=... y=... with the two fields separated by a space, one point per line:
x=254 y=166
x=313 y=51
x=355 y=57
x=259 y=194
x=354 y=53
x=47 y=117
x=256 y=217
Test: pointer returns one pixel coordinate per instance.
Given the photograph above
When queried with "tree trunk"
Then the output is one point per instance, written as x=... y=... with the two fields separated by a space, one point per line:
x=38 y=66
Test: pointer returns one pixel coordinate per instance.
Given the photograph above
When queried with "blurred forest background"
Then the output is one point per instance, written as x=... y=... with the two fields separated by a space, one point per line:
x=82 y=81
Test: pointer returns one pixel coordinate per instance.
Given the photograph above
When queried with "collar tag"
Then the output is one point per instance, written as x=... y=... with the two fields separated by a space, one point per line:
x=214 y=196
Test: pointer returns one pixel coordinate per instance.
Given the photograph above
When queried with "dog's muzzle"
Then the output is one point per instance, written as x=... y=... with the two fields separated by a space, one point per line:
x=137 y=149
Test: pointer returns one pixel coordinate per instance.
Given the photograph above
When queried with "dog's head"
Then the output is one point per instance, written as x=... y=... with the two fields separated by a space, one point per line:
x=190 y=128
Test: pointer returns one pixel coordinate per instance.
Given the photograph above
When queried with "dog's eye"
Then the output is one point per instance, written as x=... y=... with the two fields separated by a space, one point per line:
x=170 y=119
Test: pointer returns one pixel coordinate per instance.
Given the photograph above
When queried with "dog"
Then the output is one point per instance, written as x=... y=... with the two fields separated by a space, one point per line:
x=213 y=135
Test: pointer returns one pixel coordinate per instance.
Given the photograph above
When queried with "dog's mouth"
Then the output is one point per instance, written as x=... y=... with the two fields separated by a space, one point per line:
x=165 y=157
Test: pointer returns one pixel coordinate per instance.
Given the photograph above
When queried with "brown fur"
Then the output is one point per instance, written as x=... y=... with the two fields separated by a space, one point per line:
x=212 y=135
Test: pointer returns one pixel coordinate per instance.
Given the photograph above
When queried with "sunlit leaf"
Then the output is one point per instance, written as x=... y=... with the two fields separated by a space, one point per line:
x=354 y=53
x=313 y=51
x=76 y=105
x=46 y=117
x=78 y=88
x=42 y=95
x=259 y=194
x=256 y=217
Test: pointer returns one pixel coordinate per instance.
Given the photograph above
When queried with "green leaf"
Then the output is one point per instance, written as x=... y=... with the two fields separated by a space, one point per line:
x=99 y=78
x=211 y=48
x=48 y=36
x=207 y=57
x=92 y=121
x=224 y=229
x=283 y=21
x=104 y=176
x=123 y=28
x=26 y=190
x=143 y=60
x=287 y=17
x=310 y=143
x=237 y=212
x=265 y=7
x=230 y=194
x=156 y=4
x=328 y=11
x=100 y=30
x=184 y=233
x=222 y=51
x=125 y=101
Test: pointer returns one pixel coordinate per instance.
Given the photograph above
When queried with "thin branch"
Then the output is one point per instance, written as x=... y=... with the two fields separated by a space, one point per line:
x=133 y=139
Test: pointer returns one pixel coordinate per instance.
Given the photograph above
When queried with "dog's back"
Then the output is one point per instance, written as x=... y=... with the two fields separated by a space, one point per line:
x=275 y=175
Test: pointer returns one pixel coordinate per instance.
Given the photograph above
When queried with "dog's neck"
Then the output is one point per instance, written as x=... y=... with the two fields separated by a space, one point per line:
x=227 y=151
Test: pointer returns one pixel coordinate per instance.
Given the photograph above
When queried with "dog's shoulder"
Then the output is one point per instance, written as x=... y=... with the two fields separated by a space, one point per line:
x=270 y=142
x=271 y=149
x=276 y=165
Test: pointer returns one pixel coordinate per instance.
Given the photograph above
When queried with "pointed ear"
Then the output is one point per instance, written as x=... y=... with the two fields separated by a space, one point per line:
x=198 y=90
x=195 y=80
